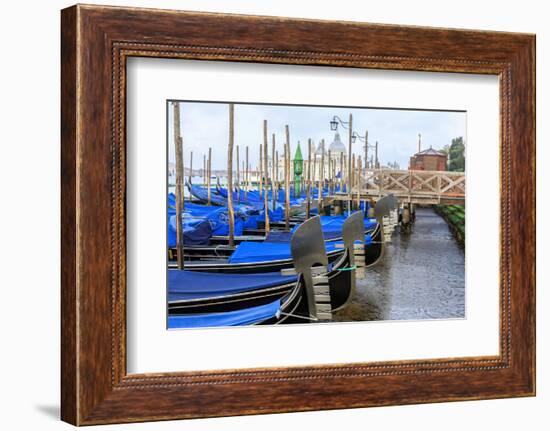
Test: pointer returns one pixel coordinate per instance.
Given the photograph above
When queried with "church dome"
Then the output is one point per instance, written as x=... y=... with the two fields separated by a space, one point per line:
x=337 y=145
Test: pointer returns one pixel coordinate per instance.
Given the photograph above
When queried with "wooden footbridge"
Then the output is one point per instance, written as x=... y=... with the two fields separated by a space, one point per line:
x=416 y=187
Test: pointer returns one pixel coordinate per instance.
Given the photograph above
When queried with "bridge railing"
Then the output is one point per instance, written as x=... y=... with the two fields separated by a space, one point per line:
x=412 y=185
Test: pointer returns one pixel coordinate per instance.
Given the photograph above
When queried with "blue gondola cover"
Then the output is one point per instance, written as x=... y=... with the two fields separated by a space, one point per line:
x=196 y=231
x=247 y=316
x=254 y=251
x=188 y=285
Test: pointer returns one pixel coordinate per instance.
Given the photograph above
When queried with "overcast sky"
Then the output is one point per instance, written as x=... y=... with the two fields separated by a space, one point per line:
x=206 y=125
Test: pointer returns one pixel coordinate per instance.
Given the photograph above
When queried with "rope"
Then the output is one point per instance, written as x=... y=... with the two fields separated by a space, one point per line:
x=351 y=268
x=282 y=313
x=216 y=250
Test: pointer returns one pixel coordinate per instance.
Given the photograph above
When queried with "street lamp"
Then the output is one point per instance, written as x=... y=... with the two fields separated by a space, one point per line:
x=354 y=136
x=345 y=124
x=334 y=123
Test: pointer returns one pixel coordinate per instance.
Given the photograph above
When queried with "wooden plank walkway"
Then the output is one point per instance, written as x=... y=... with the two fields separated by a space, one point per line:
x=418 y=187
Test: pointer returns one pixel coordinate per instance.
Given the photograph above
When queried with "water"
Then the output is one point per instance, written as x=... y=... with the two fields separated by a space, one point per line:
x=421 y=276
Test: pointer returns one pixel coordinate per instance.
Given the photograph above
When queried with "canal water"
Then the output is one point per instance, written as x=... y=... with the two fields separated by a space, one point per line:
x=420 y=276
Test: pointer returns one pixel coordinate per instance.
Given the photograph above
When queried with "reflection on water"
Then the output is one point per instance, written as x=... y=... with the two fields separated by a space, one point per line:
x=421 y=276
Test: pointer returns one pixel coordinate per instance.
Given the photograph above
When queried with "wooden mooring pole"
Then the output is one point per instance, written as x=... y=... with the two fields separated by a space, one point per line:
x=366 y=151
x=204 y=170
x=308 y=186
x=321 y=178
x=277 y=182
x=341 y=172
x=274 y=192
x=179 y=184
x=238 y=178
x=190 y=167
x=329 y=177
x=287 y=179
x=314 y=173
x=358 y=181
x=260 y=170
x=230 y=210
x=266 y=171
x=350 y=172
x=209 y=175
x=247 y=177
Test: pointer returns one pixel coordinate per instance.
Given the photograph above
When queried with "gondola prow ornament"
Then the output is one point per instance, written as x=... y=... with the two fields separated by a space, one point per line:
x=308 y=250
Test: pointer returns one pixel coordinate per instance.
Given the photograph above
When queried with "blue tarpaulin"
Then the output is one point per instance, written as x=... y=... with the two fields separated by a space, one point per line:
x=276 y=215
x=201 y=209
x=217 y=217
x=337 y=222
x=332 y=226
x=253 y=197
x=196 y=231
x=219 y=220
x=201 y=193
x=253 y=251
x=278 y=236
x=247 y=316
x=186 y=285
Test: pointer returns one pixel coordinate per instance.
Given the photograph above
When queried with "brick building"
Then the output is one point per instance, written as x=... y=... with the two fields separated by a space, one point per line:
x=428 y=160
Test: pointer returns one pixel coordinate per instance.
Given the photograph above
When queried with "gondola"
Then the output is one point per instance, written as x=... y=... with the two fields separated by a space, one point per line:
x=267 y=314
x=205 y=299
x=273 y=253
x=297 y=292
x=251 y=257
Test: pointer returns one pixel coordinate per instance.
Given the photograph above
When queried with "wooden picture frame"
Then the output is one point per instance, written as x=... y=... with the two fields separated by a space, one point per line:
x=95 y=43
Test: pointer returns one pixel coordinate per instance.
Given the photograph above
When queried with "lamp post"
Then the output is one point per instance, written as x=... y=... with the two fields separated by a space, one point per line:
x=365 y=139
x=347 y=125
x=336 y=120
x=353 y=136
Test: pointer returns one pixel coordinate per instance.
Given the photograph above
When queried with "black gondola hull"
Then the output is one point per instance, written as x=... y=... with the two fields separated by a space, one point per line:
x=374 y=250
x=340 y=285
